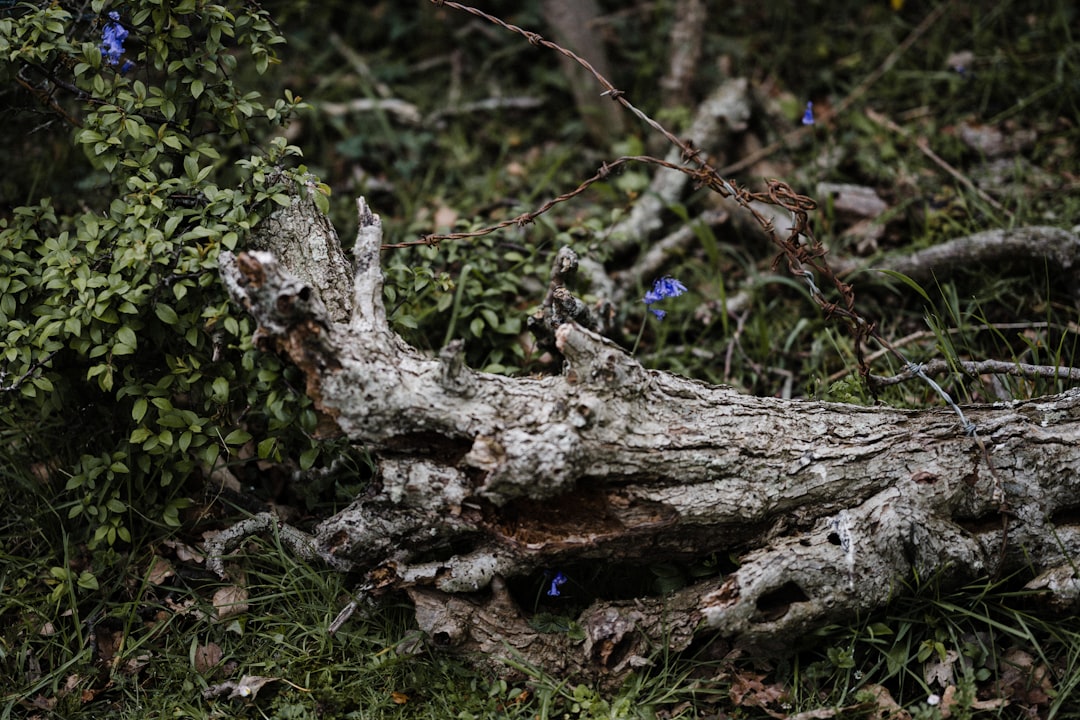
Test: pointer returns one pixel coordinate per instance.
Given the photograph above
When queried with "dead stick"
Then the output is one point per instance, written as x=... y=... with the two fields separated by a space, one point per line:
x=924 y=146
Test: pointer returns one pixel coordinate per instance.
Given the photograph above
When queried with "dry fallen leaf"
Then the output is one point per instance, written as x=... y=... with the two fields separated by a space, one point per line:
x=247 y=687
x=184 y=553
x=43 y=472
x=887 y=707
x=108 y=643
x=207 y=657
x=134 y=664
x=43 y=703
x=70 y=683
x=940 y=671
x=948 y=702
x=820 y=714
x=160 y=570
x=187 y=607
x=748 y=690
x=445 y=217
x=230 y=601
x=1022 y=680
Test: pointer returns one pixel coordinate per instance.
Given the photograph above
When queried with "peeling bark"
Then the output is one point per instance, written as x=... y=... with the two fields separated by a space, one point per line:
x=486 y=483
x=303 y=239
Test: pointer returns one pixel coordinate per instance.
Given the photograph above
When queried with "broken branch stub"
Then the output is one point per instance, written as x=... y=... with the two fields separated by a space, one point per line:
x=485 y=483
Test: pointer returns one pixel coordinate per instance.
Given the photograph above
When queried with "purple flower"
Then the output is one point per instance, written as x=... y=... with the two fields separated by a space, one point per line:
x=112 y=41
x=556 y=581
x=665 y=287
x=808 y=116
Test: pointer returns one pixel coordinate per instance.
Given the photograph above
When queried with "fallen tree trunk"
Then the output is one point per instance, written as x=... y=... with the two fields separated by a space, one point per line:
x=488 y=485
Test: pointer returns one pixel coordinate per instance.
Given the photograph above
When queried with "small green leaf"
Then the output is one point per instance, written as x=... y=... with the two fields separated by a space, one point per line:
x=266 y=447
x=210 y=454
x=138 y=412
x=162 y=404
x=308 y=457
x=237 y=437
x=166 y=314
x=406 y=321
x=476 y=327
x=322 y=203
x=126 y=336
x=220 y=389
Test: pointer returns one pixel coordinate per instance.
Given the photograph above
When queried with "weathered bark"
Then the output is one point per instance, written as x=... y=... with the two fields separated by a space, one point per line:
x=484 y=480
x=1038 y=243
x=303 y=239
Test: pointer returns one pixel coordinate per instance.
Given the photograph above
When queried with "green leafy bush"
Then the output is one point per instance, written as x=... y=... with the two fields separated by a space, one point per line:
x=113 y=320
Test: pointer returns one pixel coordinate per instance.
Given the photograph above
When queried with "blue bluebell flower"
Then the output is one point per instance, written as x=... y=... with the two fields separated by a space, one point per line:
x=808 y=116
x=112 y=41
x=665 y=287
x=556 y=582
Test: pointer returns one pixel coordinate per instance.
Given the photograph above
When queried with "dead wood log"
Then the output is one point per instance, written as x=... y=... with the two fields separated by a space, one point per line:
x=1039 y=243
x=487 y=482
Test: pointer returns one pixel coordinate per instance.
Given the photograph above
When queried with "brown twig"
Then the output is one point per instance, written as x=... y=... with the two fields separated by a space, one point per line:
x=17 y=383
x=927 y=334
x=981 y=367
x=924 y=147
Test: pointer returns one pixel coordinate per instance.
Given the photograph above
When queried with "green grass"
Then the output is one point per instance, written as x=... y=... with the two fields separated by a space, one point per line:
x=132 y=648
x=97 y=633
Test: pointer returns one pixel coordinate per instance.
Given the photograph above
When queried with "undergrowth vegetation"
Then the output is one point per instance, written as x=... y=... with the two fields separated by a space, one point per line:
x=128 y=379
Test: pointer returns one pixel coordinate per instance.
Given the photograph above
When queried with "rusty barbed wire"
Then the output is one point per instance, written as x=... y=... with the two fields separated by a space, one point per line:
x=526 y=218
x=799 y=249
x=804 y=254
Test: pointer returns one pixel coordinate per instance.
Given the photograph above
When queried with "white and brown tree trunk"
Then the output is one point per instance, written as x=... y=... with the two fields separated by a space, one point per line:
x=486 y=480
